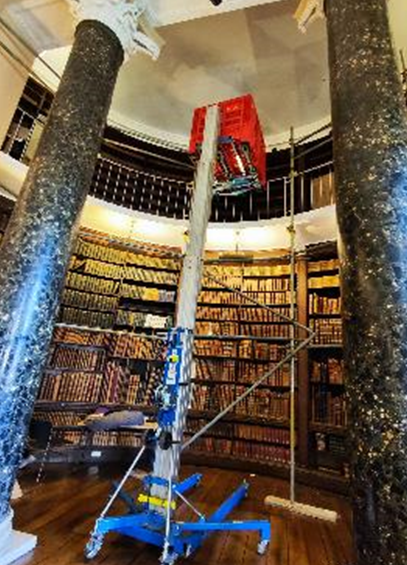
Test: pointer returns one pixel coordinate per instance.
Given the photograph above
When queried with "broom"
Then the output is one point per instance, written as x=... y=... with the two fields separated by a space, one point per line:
x=283 y=503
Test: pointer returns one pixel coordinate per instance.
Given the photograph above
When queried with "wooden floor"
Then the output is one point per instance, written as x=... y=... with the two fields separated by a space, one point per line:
x=62 y=510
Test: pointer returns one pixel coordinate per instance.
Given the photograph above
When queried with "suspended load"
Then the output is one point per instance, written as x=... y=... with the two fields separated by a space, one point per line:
x=241 y=162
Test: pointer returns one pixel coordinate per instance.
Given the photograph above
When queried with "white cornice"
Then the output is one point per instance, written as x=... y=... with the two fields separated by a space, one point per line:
x=124 y=18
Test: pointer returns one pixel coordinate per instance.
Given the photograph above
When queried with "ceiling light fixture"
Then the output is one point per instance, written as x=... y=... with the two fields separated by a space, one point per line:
x=216 y=2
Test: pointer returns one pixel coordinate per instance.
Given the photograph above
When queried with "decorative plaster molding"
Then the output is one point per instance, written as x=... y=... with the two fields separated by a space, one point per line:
x=128 y=19
x=308 y=11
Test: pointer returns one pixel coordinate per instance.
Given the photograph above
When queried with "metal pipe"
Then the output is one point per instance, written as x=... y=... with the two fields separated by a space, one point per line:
x=291 y=230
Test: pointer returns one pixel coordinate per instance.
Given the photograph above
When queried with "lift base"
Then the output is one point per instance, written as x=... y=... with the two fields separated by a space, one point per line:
x=149 y=524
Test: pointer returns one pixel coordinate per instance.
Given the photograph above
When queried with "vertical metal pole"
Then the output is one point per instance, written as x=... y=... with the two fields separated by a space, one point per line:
x=167 y=462
x=291 y=230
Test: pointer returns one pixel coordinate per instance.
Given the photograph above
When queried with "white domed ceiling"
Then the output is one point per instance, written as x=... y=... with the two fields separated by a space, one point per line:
x=258 y=49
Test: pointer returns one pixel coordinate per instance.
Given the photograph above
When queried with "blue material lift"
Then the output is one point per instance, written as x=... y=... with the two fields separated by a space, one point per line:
x=150 y=518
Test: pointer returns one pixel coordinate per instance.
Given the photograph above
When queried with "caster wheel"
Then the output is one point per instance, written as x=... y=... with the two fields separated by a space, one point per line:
x=93 y=546
x=169 y=559
x=262 y=547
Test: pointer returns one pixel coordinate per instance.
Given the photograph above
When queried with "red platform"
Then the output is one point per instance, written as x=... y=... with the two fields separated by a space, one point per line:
x=242 y=151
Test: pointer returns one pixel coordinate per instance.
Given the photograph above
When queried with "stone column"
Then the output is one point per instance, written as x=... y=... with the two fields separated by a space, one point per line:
x=37 y=244
x=370 y=151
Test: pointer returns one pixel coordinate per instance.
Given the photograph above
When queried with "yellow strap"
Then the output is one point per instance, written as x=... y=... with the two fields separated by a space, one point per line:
x=155 y=501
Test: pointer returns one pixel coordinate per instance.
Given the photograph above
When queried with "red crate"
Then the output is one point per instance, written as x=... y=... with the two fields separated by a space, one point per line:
x=238 y=120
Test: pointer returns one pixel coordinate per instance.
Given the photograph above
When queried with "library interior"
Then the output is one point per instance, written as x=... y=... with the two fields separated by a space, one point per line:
x=203 y=282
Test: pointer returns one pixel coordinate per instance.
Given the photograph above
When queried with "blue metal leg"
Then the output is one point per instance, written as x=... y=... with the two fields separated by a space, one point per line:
x=188 y=484
x=230 y=504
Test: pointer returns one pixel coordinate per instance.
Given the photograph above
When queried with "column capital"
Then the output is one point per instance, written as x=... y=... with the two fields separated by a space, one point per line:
x=308 y=11
x=128 y=19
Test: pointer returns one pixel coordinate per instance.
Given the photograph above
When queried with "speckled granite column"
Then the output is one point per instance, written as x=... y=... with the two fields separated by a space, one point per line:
x=36 y=248
x=370 y=145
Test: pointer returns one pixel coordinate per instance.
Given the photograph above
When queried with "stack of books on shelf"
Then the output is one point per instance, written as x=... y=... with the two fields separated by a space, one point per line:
x=101 y=251
x=73 y=357
x=79 y=299
x=70 y=336
x=142 y=320
x=230 y=276
x=328 y=407
x=217 y=328
x=242 y=449
x=265 y=330
x=115 y=377
x=260 y=452
x=324 y=304
x=147 y=293
x=329 y=370
x=325 y=281
x=263 y=403
x=151 y=261
x=151 y=276
x=97 y=268
x=328 y=331
x=211 y=370
x=215 y=348
x=71 y=387
x=89 y=284
x=134 y=347
x=88 y=318
x=219 y=297
x=59 y=418
x=320 y=266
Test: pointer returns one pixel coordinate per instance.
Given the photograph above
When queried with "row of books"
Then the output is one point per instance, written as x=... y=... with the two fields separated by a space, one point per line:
x=326 y=281
x=217 y=328
x=110 y=254
x=71 y=357
x=242 y=449
x=120 y=272
x=328 y=407
x=146 y=293
x=262 y=403
x=89 y=284
x=265 y=330
x=240 y=372
x=100 y=251
x=328 y=331
x=90 y=318
x=330 y=442
x=59 y=417
x=142 y=320
x=102 y=439
x=244 y=350
x=135 y=347
x=145 y=275
x=324 y=304
x=269 y=285
x=246 y=432
x=89 y=301
x=115 y=344
x=71 y=387
x=318 y=266
x=329 y=370
x=238 y=314
x=245 y=329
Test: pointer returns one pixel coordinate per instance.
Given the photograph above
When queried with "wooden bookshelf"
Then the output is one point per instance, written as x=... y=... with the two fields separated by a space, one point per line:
x=114 y=359
x=327 y=418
